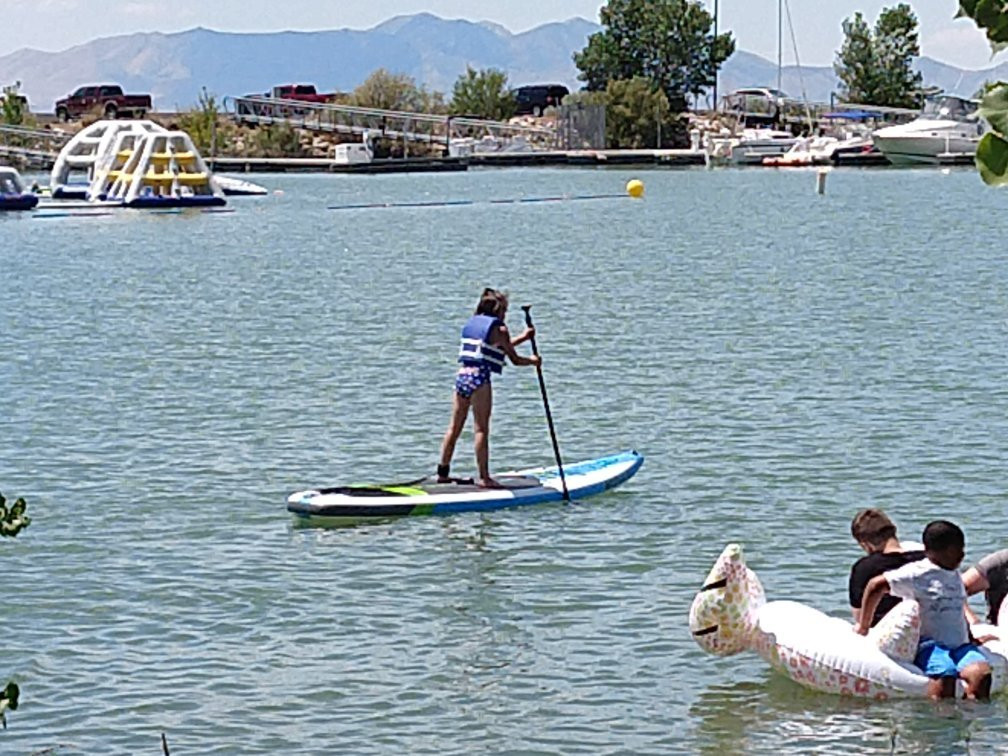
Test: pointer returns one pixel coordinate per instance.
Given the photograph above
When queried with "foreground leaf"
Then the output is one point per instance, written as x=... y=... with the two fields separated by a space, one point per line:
x=994 y=107
x=992 y=159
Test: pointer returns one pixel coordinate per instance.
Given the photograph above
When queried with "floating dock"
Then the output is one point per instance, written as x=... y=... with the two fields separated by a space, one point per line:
x=581 y=158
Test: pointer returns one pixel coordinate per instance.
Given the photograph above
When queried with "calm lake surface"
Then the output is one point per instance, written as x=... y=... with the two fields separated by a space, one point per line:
x=780 y=358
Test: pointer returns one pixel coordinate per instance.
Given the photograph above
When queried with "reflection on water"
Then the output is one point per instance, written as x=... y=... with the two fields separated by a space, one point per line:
x=774 y=716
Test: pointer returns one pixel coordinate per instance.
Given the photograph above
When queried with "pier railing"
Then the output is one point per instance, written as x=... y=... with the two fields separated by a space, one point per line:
x=418 y=128
x=31 y=147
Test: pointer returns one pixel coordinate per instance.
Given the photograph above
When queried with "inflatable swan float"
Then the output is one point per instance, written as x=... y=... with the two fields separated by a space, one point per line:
x=730 y=614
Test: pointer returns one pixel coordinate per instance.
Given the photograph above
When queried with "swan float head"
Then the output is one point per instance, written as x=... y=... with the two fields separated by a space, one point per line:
x=724 y=614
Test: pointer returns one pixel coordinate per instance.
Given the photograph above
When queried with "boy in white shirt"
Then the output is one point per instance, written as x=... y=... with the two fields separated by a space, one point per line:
x=946 y=650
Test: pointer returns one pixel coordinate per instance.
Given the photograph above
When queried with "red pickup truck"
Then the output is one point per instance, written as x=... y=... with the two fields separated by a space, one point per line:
x=305 y=93
x=108 y=99
x=301 y=92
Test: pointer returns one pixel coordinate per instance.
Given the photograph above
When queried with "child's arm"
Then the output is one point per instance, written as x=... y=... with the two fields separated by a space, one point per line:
x=877 y=587
x=502 y=340
x=971 y=618
x=974 y=581
x=527 y=334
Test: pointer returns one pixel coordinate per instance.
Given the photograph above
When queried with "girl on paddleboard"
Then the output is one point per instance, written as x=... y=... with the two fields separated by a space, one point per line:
x=485 y=343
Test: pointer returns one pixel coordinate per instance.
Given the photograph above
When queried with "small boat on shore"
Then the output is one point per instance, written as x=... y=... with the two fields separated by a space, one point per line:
x=12 y=192
x=236 y=187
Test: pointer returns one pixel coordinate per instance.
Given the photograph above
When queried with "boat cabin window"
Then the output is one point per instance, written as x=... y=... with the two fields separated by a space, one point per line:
x=953 y=108
x=7 y=186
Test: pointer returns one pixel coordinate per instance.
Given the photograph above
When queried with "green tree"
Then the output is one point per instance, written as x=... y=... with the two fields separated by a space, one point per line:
x=483 y=93
x=13 y=105
x=636 y=112
x=277 y=140
x=875 y=66
x=668 y=42
x=389 y=91
x=202 y=123
x=12 y=522
x=992 y=152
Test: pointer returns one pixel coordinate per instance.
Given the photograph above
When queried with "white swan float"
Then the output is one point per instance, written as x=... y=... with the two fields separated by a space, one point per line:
x=730 y=614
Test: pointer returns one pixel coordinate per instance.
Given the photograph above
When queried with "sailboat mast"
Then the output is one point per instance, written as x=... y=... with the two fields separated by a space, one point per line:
x=780 y=41
x=716 y=67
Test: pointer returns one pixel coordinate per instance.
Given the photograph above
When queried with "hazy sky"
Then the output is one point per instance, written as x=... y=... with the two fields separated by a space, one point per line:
x=59 y=24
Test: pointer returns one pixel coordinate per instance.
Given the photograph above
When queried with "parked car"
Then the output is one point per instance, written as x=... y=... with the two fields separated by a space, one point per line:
x=108 y=99
x=533 y=99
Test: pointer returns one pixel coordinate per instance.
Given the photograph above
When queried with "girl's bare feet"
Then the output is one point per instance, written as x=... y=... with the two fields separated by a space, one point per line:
x=489 y=483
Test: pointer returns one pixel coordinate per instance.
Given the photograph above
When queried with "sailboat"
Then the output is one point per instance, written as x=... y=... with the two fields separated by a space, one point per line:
x=758 y=112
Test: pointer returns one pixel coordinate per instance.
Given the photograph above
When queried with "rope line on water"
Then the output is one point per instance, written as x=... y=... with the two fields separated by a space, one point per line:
x=460 y=203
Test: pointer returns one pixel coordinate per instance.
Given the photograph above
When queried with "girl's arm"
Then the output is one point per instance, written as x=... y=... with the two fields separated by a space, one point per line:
x=527 y=334
x=502 y=340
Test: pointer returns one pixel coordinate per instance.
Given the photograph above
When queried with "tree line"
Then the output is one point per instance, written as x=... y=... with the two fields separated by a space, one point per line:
x=649 y=60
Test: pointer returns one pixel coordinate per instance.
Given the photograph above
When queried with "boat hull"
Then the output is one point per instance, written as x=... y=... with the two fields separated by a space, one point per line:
x=926 y=142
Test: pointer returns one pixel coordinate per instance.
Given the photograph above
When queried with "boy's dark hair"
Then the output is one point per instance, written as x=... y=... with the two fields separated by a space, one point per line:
x=941 y=534
x=873 y=527
x=492 y=302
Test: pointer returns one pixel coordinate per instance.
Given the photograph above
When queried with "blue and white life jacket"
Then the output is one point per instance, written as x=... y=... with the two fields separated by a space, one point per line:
x=476 y=348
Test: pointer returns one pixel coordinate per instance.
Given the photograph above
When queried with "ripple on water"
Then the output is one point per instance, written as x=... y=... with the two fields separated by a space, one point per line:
x=781 y=359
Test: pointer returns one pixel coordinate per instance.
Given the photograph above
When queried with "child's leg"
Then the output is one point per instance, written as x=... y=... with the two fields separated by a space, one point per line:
x=482 y=404
x=460 y=411
x=941 y=687
x=974 y=671
x=976 y=681
x=936 y=662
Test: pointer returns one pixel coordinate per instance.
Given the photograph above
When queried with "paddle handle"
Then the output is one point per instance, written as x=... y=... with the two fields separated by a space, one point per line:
x=549 y=415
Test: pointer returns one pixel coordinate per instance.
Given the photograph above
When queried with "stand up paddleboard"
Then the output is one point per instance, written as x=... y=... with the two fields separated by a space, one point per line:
x=539 y=485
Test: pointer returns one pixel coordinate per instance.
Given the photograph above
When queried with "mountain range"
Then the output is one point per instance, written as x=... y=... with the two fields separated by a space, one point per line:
x=432 y=50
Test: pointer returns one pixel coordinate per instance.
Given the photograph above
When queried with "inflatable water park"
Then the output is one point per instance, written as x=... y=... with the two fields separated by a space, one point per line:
x=13 y=195
x=134 y=163
x=730 y=614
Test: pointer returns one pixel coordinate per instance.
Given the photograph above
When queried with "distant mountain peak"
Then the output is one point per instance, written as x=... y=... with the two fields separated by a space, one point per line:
x=496 y=28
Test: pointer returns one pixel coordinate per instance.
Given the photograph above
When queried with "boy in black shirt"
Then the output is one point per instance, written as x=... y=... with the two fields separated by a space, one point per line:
x=876 y=534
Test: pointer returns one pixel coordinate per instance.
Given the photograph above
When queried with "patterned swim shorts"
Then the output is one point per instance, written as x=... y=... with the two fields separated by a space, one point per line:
x=470 y=378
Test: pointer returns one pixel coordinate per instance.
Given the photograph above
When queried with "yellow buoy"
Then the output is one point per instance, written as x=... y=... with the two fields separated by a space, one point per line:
x=635 y=188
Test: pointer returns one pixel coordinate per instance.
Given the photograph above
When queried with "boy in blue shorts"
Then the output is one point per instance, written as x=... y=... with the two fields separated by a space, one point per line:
x=946 y=649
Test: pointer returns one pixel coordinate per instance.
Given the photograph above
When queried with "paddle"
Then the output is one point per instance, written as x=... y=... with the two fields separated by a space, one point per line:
x=549 y=416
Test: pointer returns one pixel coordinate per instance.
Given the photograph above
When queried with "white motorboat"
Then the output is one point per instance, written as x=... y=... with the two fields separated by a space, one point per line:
x=947 y=127
x=806 y=151
x=239 y=187
x=751 y=147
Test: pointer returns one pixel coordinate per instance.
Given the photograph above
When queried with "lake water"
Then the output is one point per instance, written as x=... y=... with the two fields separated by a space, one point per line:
x=780 y=358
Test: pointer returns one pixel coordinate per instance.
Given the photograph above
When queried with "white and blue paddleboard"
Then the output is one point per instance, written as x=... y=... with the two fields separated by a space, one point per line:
x=539 y=485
